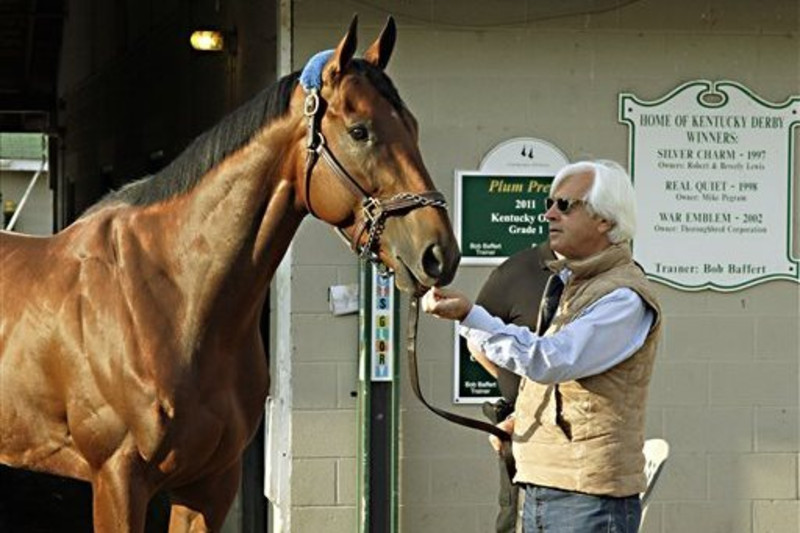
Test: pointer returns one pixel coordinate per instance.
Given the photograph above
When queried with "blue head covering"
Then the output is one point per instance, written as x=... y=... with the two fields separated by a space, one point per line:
x=311 y=77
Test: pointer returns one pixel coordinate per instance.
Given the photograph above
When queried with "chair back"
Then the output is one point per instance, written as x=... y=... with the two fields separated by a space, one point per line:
x=656 y=452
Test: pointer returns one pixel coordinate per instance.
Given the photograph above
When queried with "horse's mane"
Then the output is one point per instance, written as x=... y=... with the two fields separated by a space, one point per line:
x=230 y=134
x=207 y=150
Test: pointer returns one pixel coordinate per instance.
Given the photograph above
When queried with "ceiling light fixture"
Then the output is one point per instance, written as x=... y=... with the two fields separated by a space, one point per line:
x=207 y=40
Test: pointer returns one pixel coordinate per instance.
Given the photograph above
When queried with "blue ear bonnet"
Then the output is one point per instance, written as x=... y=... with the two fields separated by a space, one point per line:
x=311 y=77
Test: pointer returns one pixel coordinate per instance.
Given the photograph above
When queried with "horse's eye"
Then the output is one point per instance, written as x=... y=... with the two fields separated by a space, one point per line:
x=359 y=133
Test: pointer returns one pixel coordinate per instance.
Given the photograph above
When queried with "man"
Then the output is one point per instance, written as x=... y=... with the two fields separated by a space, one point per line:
x=578 y=429
x=512 y=293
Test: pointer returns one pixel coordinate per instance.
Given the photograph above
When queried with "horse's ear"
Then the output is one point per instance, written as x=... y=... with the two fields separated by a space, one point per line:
x=381 y=50
x=345 y=50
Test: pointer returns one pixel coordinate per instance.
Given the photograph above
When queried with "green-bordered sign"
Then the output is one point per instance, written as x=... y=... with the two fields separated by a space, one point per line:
x=500 y=214
x=713 y=165
x=500 y=207
x=472 y=383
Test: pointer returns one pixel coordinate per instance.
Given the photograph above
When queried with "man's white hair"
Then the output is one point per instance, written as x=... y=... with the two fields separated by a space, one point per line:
x=611 y=195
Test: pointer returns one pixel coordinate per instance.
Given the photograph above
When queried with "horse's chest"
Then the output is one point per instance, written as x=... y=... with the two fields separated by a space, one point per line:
x=211 y=429
x=204 y=440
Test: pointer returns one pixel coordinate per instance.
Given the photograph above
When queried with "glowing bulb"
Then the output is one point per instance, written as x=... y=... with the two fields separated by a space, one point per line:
x=207 y=40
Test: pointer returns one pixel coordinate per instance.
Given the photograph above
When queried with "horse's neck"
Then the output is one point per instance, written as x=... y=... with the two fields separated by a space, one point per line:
x=232 y=230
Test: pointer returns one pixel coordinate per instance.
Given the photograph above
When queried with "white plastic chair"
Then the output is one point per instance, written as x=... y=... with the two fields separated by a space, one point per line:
x=656 y=452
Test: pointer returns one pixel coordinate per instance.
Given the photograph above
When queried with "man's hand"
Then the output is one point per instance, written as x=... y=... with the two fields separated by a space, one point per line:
x=446 y=303
x=506 y=425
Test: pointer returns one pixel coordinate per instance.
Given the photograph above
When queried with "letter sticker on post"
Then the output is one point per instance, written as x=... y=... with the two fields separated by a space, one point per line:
x=382 y=325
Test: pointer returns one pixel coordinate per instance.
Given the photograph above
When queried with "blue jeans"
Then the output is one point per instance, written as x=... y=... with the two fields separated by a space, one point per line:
x=549 y=510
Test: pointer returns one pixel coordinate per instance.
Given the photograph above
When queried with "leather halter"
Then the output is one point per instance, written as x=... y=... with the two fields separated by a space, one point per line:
x=374 y=211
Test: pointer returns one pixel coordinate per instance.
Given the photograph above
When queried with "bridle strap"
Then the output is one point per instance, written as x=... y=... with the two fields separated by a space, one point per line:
x=376 y=210
x=311 y=107
x=375 y=213
x=413 y=374
x=344 y=176
x=311 y=160
x=320 y=147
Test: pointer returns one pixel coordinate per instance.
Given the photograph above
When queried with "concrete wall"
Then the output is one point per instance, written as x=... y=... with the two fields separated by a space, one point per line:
x=725 y=390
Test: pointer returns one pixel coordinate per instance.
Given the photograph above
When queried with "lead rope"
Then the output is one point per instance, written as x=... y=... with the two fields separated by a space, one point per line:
x=413 y=374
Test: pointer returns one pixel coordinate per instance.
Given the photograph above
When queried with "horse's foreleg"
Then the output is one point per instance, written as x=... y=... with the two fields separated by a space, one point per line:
x=203 y=506
x=185 y=520
x=120 y=495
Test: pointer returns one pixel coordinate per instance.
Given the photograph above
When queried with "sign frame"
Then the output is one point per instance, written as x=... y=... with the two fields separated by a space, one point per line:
x=715 y=155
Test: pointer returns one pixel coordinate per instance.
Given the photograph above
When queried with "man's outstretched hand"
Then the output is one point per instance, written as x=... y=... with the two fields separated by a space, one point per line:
x=446 y=303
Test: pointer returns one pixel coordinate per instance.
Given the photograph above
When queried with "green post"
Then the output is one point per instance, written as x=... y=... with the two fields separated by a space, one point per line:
x=378 y=403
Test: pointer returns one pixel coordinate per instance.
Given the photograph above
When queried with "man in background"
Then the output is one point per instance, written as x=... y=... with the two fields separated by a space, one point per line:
x=512 y=293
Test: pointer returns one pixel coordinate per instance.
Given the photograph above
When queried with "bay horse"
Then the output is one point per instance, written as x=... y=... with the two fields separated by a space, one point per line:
x=130 y=352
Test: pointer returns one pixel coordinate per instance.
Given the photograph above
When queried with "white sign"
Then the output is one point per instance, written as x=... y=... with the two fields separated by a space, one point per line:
x=712 y=168
x=343 y=299
x=527 y=156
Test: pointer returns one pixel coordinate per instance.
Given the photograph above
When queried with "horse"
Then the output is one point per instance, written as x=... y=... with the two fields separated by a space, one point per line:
x=130 y=351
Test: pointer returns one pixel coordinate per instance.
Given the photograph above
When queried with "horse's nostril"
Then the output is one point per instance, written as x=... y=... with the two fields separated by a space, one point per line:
x=433 y=261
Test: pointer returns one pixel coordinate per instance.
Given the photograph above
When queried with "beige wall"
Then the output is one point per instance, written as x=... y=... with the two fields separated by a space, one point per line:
x=725 y=390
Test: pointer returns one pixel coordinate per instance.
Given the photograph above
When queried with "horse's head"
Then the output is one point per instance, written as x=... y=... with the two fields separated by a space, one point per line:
x=364 y=173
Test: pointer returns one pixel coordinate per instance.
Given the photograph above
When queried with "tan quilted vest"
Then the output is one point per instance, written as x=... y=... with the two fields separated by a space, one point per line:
x=587 y=435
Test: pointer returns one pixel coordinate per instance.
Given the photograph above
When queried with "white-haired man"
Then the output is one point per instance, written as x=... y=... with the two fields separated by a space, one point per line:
x=578 y=427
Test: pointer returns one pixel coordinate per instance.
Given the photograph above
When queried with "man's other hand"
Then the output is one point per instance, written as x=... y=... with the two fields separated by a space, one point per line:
x=506 y=425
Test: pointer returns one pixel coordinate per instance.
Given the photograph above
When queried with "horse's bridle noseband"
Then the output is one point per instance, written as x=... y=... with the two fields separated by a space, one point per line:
x=374 y=211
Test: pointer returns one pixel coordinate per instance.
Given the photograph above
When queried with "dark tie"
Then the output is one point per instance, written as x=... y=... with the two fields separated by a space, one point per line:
x=549 y=304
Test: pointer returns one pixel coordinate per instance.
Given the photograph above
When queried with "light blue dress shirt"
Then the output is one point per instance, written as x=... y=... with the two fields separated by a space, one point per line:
x=603 y=335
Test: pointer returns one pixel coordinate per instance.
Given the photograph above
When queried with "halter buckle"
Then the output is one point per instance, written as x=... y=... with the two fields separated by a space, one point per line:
x=311 y=104
x=373 y=210
x=310 y=109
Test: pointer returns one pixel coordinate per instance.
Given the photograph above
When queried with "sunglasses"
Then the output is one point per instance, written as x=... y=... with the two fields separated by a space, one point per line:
x=564 y=205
